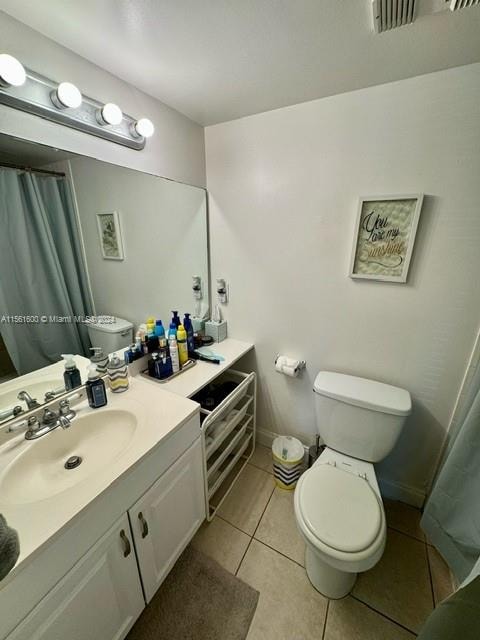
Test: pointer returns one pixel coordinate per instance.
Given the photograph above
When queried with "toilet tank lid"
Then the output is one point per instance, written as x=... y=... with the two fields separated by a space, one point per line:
x=362 y=392
x=105 y=324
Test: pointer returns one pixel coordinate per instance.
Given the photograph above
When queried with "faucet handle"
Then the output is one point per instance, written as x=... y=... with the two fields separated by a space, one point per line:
x=64 y=406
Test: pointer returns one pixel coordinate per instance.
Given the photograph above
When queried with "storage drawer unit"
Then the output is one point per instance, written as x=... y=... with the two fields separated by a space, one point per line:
x=228 y=437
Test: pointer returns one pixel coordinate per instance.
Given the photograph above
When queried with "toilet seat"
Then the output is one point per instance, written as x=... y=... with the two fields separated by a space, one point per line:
x=339 y=509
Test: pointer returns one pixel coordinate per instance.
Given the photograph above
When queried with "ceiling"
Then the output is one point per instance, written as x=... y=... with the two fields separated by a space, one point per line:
x=216 y=60
x=29 y=154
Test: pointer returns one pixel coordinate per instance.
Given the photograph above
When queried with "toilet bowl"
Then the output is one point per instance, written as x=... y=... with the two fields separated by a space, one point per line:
x=340 y=515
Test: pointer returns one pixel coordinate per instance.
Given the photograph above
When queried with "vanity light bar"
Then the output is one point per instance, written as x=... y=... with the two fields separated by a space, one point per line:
x=63 y=103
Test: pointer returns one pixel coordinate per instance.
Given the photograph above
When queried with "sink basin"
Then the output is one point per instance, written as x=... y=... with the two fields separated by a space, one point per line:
x=39 y=472
x=36 y=388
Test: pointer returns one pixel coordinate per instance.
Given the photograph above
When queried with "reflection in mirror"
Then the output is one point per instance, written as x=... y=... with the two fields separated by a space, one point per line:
x=88 y=251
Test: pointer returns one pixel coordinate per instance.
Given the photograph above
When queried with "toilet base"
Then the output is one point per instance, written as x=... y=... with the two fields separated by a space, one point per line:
x=330 y=582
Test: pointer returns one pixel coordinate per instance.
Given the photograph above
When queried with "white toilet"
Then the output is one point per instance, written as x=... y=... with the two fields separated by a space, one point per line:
x=338 y=506
x=111 y=336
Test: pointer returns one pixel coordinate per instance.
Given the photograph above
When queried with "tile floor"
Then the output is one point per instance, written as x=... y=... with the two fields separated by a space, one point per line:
x=254 y=536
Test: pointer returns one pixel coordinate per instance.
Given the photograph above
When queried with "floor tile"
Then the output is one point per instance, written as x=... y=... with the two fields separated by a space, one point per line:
x=399 y=585
x=222 y=542
x=288 y=607
x=278 y=528
x=244 y=505
x=441 y=577
x=404 y=518
x=349 y=619
x=262 y=458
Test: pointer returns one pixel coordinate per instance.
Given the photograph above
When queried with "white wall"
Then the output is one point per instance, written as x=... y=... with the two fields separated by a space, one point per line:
x=283 y=192
x=164 y=230
x=176 y=150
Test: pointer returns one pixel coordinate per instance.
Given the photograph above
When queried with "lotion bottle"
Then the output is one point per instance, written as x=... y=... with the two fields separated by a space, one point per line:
x=172 y=344
x=71 y=375
x=182 y=345
x=95 y=387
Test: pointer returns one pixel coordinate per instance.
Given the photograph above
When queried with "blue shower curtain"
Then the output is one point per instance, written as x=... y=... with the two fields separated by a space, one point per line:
x=451 y=518
x=42 y=272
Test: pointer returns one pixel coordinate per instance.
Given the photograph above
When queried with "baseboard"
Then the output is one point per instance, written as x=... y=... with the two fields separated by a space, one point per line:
x=394 y=490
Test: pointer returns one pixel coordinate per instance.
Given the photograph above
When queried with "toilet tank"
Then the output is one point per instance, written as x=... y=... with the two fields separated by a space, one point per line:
x=111 y=336
x=359 y=417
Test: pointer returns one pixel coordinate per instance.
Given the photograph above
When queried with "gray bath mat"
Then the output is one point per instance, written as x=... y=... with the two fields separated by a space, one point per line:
x=199 y=600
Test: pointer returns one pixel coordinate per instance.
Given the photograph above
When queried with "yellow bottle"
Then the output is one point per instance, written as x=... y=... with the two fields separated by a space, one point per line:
x=182 y=344
x=150 y=325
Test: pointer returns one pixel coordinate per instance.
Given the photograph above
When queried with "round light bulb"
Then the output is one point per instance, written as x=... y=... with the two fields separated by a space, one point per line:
x=12 y=73
x=144 y=127
x=110 y=113
x=67 y=96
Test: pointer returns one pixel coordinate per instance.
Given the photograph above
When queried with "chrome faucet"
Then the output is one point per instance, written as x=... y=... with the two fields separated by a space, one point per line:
x=31 y=402
x=50 y=421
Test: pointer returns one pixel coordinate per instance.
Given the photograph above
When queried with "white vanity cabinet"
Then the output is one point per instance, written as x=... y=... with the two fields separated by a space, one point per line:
x=166 y=517
x=100 y=597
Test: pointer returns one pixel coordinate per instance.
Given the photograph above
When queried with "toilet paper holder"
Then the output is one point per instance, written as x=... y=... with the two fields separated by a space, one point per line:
x=297 y=365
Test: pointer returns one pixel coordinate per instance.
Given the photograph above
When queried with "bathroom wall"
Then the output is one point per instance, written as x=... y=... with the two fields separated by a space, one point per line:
x=176 y=150
x=164 y=231
x=283 y=192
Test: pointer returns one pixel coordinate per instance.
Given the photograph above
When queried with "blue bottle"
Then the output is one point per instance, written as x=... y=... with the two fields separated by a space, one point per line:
x=159 y=330
x=175 y=319
x=172 y=330
x=187 y=323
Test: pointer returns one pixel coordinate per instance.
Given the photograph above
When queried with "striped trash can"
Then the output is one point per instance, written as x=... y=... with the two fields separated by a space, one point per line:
x=288 y=461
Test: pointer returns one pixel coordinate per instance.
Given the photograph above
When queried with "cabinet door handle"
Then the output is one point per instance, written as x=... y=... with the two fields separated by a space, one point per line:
x=144 y=524
x=127 y=547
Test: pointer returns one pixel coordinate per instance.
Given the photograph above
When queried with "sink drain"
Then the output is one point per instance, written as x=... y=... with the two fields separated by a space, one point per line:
x=73 y=462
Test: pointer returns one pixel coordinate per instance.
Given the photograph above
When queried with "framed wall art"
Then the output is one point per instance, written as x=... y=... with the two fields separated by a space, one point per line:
x=110 y=235
x=384 y=236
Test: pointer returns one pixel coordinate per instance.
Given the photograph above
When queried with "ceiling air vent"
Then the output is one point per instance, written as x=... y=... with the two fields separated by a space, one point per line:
x=455 y=5
x=390 y=14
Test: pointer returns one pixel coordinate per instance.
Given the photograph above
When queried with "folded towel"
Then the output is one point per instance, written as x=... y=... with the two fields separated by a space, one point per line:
x=9 y=548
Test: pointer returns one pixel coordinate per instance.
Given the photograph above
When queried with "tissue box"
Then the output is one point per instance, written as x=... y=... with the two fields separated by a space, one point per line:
x=198 y=325
x=217 y=330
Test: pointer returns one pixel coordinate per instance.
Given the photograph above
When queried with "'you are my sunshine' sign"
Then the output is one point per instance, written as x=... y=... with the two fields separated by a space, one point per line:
x=385 y=233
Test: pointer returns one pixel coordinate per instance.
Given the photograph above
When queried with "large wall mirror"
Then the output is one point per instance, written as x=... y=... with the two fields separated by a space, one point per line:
x=85 y=239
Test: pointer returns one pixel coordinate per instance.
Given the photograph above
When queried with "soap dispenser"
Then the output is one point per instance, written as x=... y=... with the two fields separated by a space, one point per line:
x=187 y=323
x=175 y=319
x=71 y=375
x=99 y=359
x=117 y=374
x=95 y=387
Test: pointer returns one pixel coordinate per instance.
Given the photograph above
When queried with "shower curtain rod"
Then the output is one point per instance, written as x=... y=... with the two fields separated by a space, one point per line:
x=8 y=165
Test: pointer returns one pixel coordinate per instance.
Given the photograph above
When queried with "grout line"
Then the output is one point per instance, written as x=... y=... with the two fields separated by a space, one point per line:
x=325 y=621
x=265 y=544
x=380 y=613
x=408 y=535
x=251 y=536
x=431 y=576
x=234 y=526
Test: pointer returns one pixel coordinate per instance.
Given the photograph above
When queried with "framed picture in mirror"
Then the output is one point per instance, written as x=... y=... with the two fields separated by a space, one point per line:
x=110 y=235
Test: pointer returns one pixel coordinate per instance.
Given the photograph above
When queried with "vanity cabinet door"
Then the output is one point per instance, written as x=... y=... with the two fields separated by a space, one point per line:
x=100 y=598
x=167 y=516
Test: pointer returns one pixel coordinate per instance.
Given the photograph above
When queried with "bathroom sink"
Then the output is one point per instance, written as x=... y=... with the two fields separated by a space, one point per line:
x=39 y=473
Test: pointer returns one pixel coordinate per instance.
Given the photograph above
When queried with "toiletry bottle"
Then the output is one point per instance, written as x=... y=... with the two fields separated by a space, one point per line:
x=117 y=374
x=175 y=319
x=153 y=369
x=152 y=343
x=99 y=359
x=95 y=387
x=159 y=330
x=173 y=347
x=138 y=343
x=187 y=323
x=150 y=325
x=182 y=345
x=129 y=355
x=172 y=331
x=71 y=375
x=166 y=368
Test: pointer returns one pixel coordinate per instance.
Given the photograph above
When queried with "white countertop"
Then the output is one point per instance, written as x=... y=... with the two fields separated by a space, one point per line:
x=189 y=382
x=159 y=414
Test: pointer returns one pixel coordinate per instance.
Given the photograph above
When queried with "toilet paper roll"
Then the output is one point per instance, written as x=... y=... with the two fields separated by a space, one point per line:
x=292 y=372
